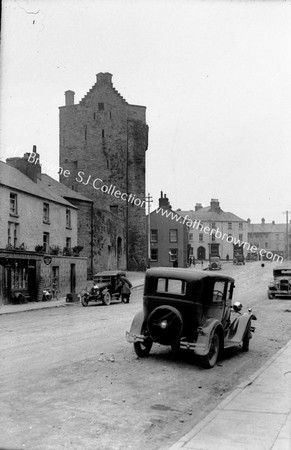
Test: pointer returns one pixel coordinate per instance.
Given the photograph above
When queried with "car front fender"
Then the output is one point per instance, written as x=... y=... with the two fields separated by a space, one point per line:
x=205 y=334
x=238 y=328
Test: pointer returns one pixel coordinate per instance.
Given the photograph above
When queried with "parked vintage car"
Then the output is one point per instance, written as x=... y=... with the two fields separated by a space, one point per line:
x=214 y=263
x=239 y=260
x=281 y=284
x=192 y=310
x=107 y=286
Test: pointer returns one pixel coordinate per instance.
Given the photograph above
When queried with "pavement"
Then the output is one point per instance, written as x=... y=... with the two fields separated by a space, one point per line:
x=136 y=278
x=255 y=416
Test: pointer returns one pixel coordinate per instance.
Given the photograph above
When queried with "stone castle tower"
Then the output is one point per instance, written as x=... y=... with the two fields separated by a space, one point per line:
x=103 y=141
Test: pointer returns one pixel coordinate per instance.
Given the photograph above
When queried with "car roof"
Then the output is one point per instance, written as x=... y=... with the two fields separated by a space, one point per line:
x=283 y=267
x=109 y=273
x=185 y=274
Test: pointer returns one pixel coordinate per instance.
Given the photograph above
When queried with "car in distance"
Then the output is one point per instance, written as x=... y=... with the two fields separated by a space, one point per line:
x=190 y=310
x=239 y=260
x=214 y=263
x=107 y=286
x=280 y=286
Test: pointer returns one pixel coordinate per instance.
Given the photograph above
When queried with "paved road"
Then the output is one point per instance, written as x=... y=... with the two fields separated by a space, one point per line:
x=69 y=380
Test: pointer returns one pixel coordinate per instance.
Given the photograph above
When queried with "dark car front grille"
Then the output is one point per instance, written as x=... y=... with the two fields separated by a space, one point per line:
x=284 y=285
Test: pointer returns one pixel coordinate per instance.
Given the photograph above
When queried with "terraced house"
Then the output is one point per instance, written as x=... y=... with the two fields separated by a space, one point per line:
x=38 y=234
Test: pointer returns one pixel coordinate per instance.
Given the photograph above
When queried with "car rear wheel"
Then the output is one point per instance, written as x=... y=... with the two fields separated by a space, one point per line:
x=106 y=298
x=142 y=349
x=165 y=325
x=209 y=360
x=246 y=339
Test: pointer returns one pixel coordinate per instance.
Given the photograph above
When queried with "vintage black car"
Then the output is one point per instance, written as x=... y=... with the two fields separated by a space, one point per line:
x=190 y=309
x=214 y=263
x=106 y=287
x=239 y=260
x=280 y=286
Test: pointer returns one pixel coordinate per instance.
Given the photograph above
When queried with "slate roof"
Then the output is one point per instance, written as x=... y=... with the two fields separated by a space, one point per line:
x=267 y=228
x=15 y=179
x=210 y=215
x=62 y=189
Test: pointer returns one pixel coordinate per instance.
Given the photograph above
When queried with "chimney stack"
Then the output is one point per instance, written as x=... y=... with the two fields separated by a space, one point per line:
x=104 y=78
x=198 y=206
x=214 y=205
x=164 y=202
x=29 y=164
x=70 y=98
x=263 y=221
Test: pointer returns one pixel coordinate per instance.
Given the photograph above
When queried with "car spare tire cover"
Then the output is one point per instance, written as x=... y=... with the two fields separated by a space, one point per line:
x=214 y=265
x=165 y=325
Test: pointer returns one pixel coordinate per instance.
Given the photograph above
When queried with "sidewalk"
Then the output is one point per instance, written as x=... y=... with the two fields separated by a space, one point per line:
x=256 y=416
x=136 y=278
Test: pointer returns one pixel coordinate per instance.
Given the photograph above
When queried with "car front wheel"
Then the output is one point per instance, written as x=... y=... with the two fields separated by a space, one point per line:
x=246 y=339
x=270 y=296
x=84 y=300
x=106 y=298
x=142 y=349
x=209 y=360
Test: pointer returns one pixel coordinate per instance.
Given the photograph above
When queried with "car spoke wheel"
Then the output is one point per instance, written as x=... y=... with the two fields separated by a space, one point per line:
x=142 y=349
x=106 y=298
x=84 y=300
x=246 y=339
x=209 y=360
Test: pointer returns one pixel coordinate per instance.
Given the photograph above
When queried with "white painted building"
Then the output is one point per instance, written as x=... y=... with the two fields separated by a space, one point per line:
x=213 y=231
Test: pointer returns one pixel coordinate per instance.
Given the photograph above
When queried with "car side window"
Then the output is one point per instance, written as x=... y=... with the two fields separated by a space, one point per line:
x=218 y=291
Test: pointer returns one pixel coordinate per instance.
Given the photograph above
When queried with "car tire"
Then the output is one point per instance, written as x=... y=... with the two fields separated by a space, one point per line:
x=142 y=349
x=165 y=325
x=270 y=296
x=246 y=339
x=106 y=299
x=209 y=360
x=84 y=300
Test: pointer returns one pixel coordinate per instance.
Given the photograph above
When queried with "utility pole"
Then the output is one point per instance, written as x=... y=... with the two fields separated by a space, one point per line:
x=287 y=233
x=149 y=200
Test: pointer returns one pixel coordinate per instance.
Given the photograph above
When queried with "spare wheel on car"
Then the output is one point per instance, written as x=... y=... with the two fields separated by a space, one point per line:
x=165 y=325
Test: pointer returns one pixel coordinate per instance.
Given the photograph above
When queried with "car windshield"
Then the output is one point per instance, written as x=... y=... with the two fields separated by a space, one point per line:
x=102 y=279
x=282 y=273
x=215 y=258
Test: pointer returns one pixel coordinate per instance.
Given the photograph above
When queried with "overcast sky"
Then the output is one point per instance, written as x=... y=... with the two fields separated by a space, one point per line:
x=214 y=76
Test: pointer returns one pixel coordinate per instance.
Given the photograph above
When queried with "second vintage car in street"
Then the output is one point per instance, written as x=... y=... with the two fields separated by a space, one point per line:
x=214 y=263
x=280 y=286
x=108 y=285
x=190 y=310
